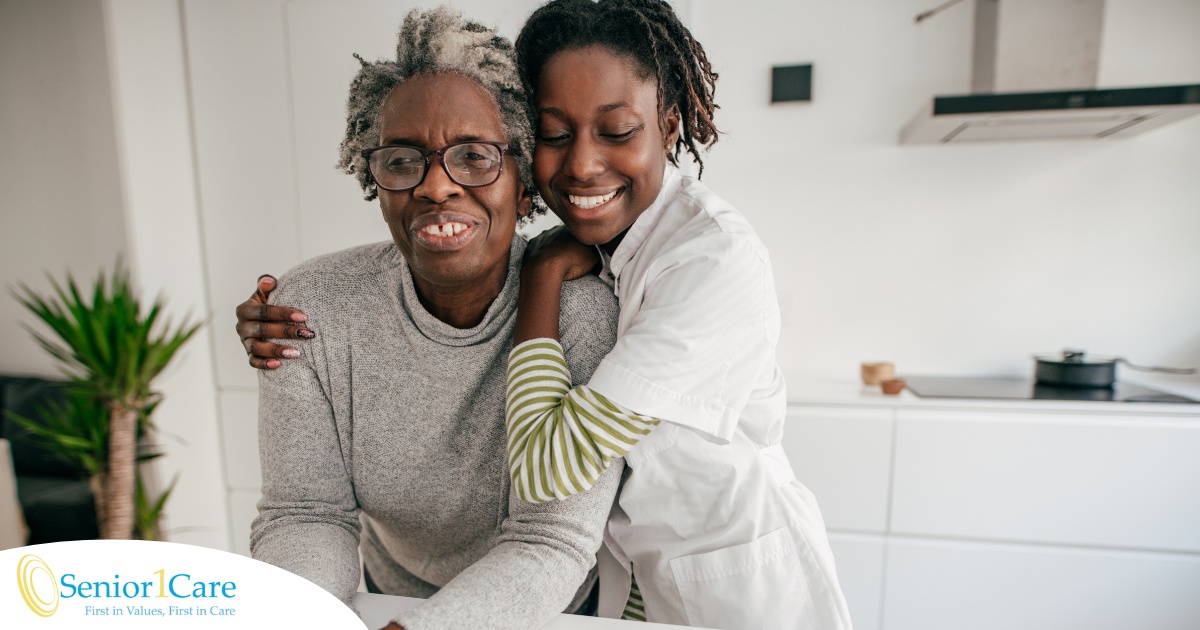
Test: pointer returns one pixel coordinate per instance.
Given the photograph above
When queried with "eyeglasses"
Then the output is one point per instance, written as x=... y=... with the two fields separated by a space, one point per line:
x=469 y=164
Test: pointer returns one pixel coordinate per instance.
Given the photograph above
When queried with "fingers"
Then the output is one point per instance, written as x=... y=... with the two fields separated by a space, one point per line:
x=271 y=350
x=265 y=355
x=252 y=310
x=260 y=363
x=257 y=308
x=259 y=321
x=266 y=284
x=268 y=330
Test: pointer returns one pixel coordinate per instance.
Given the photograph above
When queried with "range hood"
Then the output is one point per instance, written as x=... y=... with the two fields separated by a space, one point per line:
x=1034 y=67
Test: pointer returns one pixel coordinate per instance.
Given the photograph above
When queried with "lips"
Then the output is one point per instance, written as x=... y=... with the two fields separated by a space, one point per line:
x=443 y=231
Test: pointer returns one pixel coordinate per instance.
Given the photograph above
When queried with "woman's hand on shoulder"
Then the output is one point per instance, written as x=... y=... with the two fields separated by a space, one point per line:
x=259 y=321
x=558 y=250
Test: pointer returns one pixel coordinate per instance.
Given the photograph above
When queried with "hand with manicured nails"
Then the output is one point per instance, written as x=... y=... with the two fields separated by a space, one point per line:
x=259 y=321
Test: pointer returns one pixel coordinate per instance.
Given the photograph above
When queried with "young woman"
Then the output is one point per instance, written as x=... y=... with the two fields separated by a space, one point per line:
x=711 y=528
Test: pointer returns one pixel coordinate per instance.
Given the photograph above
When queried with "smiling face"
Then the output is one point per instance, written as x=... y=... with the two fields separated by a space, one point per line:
x=454 y=237
x=600 y=152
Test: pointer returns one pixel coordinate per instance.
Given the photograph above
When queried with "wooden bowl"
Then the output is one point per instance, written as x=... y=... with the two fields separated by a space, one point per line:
x=876 y=373
x=892 y=386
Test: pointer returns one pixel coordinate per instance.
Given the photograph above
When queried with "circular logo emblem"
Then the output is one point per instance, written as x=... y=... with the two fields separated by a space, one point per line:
x=42 y=598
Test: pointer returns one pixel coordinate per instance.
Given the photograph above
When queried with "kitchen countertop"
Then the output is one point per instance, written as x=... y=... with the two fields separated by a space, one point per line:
x=378 y=609
x=837 y=391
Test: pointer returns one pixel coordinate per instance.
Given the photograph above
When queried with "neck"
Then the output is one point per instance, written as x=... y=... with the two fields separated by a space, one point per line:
x=461 y=305
x=611 y=246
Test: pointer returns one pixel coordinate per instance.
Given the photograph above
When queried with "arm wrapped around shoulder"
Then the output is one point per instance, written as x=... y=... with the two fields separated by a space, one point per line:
x=560 y=439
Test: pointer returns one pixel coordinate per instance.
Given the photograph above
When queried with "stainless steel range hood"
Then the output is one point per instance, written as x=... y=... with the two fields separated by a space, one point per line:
x=1034 y=67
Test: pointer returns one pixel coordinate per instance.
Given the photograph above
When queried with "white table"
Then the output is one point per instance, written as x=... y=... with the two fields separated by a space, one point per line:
x=377 y=610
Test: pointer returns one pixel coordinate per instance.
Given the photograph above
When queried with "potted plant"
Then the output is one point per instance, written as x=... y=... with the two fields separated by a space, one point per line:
x=110 y=350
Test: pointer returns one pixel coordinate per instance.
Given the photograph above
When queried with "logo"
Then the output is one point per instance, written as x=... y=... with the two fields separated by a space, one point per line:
x=35 y=590
x=106 y=582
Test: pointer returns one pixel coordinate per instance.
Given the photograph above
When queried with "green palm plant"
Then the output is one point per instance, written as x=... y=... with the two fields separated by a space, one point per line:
x=111 y=352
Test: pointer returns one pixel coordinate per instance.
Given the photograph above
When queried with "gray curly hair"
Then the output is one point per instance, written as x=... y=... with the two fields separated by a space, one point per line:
x=436 y=41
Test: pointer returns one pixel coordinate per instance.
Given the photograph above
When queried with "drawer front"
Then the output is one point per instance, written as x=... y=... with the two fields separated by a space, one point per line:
x=843 y=454
x=936 y=585
x=859 y=559
x=1130 y=482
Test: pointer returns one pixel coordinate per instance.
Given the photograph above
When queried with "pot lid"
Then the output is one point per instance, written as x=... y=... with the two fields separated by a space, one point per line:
x=1076 y=357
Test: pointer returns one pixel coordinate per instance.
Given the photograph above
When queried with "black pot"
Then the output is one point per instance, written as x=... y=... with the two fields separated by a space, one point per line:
x=1075 y=368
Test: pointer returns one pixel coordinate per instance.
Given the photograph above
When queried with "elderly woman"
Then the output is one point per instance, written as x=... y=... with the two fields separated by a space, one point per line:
x=387 y=436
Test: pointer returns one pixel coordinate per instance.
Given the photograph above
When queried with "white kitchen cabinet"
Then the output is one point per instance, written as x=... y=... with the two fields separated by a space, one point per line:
x=860 y=573
x=936 y=584
x=1129 y=481
x=843 y=454
x=987 y=514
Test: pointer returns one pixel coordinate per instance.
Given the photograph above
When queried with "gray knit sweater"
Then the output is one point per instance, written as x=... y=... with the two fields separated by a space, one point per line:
x=392 y=425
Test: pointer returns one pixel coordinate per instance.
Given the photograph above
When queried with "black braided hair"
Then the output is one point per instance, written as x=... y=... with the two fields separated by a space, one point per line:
x=649 y=33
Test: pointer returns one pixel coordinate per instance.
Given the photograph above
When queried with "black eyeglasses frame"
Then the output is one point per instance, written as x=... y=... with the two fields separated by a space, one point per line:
x=441 y=153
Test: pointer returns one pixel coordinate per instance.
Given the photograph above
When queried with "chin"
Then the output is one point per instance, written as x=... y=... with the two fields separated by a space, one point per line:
x=590 y=235
x=588 y=232
x=445 y=267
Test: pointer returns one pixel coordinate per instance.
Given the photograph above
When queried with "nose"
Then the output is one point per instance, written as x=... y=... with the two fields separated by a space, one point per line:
x=583 y=160
x=437 y=186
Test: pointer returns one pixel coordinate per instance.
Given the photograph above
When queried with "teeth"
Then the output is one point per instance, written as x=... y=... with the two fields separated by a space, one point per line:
x=587 y=203
x=444 y=229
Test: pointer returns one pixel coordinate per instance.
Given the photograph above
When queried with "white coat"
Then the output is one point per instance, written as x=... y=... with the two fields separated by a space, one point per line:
x=710 y=518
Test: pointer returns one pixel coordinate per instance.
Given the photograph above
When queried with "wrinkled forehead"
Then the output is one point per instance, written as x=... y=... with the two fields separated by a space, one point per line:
x=433 y=110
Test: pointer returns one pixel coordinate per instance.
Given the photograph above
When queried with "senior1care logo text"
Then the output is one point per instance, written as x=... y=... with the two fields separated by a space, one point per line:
x=137 y=583
x=42 y=596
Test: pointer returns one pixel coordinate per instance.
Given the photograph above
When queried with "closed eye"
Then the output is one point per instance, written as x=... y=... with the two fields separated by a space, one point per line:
x=554 y=140
x=618 y=137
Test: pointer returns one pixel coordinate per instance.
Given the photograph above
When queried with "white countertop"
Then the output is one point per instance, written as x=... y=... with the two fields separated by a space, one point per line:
x=847 y=391
x=377 y=610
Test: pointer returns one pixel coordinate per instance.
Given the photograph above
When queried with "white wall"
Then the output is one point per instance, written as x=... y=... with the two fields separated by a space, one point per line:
x=60 y=200
x=954 y=259
x=154 y=133
x=96 y=160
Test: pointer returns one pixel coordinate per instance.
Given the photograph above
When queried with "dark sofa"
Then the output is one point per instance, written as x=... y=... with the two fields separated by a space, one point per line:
x=54 y=496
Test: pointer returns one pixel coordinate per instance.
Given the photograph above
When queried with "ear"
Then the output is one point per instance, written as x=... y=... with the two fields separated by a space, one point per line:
x=672 y=124
x=524 y=202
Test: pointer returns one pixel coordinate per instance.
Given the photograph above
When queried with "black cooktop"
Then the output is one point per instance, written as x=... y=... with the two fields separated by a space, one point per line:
x=1027 y=389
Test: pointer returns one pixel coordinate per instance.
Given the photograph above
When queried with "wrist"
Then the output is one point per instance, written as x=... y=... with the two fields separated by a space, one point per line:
x=538 y=304
x=539 y=270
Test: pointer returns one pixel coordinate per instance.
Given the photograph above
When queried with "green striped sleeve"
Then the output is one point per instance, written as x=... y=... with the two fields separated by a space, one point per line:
x=635 y=607
x=560 y=438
